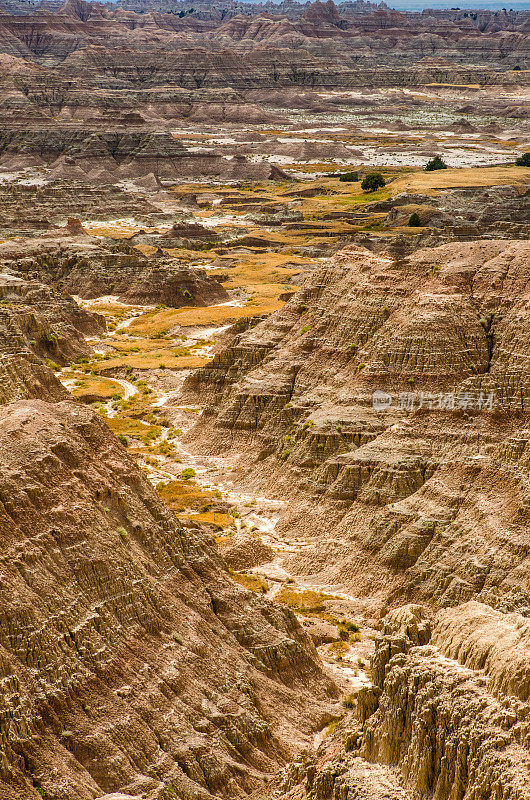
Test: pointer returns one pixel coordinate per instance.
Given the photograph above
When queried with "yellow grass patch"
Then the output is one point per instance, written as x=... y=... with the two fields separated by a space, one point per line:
x=216 y=518
x=321 y=166
x=223 y=539
x=304 y=601
x=252 y=582
x=132 y=427
x=271 y=268
x=108 y=308
x=465 y=177
x=339 y=648
x=116 y=231
x=152 y=323
x=164 y=358
x=151 y=346
x=180 y=495
x=98 y=388
x=455 y=85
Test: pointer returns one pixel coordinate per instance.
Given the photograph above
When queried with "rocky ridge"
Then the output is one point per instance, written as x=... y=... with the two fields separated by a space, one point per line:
x=111 y=609
x=432 y=723
x=440 y=336
x=85 y=267
x=38 y=325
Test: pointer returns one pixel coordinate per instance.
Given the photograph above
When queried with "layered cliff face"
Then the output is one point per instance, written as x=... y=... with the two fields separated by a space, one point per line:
x=22 y=373
x=110 y=156
x=364 y=446
x=39 y=324
x=333 y=46
x=457 y=733
x=447 y=715
x=129 y=661
x=28 y=209
x=390 y=397
x=51 y=321
x=86 y=267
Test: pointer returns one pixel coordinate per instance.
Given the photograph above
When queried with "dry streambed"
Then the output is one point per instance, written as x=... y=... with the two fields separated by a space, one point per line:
x=140 y=399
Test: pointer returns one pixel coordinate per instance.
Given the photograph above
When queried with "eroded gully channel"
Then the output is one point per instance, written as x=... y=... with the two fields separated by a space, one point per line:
x=343 y=642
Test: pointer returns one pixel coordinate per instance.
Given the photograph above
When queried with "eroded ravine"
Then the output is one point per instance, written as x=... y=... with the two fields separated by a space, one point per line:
x=205 y=488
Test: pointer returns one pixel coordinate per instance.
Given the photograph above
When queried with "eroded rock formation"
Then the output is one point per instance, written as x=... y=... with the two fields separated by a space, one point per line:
x=116 y=620
x=436 y=722
x=90 y=269
x=406 y=473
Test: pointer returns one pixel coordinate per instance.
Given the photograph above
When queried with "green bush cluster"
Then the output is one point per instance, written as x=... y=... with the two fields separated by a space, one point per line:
x=372 y=182
x=523 y=161
x=435 y=163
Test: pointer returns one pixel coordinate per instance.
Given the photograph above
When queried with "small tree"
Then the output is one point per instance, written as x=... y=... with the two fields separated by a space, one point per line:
x=524 y=160
x=414 y=221
x=349 y=177
x=372 y=182
x=435 y=163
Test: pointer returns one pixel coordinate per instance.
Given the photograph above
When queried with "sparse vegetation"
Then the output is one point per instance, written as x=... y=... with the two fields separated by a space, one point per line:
x=434 y=164
x=523 y=161
x=306 y=601
x=351 y=627
x=349 y=177
x=186 y=494
x=252 y=582
x=372 y=182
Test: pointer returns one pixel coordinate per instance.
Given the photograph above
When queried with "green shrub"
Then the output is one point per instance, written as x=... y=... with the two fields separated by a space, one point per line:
x=524 y=160
x=372 y=182
x=123 y=439
x=349 y=177
x=434 y=164
x=414 y=221
x=351 y=627
x=187 y=473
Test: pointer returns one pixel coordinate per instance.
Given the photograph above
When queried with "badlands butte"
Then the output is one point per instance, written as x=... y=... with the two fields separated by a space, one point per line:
x=264 y=433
